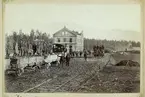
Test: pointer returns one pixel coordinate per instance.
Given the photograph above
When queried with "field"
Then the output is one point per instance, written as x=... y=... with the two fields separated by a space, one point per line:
x=81 y=76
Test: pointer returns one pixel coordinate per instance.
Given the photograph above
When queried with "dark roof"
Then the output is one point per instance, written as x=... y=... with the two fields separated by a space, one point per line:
x=67 y=30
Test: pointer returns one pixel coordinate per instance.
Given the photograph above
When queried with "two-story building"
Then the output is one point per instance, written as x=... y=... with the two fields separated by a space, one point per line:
x=72 y=40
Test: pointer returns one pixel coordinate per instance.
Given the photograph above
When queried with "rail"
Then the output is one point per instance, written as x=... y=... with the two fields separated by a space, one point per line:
x=82 y=72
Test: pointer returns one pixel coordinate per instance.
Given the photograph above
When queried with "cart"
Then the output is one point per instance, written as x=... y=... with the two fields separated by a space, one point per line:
x=13 y=68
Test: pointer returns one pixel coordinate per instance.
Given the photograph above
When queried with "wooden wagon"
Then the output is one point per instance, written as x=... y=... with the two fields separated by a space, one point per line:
x=13 y=68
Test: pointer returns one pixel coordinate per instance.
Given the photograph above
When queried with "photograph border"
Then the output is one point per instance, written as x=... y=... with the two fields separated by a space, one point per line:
x=142 y=54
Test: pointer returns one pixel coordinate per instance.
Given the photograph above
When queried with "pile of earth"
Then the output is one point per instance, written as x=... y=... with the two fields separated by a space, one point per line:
x=127 y=63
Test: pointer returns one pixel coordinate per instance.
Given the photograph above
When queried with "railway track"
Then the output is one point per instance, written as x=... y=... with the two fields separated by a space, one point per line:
x=89 y=77
x=56 y=84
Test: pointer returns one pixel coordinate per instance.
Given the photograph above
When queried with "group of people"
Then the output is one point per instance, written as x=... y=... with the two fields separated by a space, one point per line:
x=24 y=48
x=65 y=58
x=80 y=53
x=98 y=50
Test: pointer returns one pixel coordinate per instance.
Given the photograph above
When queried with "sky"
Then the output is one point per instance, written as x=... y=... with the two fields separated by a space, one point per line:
x=112 y=22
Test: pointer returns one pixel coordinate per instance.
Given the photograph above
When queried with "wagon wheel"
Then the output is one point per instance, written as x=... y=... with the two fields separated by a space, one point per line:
x=6 y=71
x=19 y=72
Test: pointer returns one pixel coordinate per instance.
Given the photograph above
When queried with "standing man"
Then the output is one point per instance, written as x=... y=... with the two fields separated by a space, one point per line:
x=80 y=53
x=34 y=49
x=62 y=59
x=67 y=59
x=85 y=55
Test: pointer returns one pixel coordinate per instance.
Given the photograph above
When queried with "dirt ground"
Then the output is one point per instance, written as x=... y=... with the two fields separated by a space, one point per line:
x=81 y=76
x=113 y=80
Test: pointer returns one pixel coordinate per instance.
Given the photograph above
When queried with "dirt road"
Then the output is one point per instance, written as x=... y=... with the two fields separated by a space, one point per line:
x=80 y=76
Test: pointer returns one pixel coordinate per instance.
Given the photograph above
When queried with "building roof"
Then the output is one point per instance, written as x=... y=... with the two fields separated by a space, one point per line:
x=134 y=48
x=67 y=30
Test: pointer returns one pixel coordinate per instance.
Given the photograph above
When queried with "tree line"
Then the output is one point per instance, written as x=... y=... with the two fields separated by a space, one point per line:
x=24 y=41
x=111 y=44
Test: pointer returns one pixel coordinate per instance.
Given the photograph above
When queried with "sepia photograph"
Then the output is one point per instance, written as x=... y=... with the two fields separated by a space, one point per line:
x=72 y=48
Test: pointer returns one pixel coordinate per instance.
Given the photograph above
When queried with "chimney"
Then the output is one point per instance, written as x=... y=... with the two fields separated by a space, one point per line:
x=64 y=26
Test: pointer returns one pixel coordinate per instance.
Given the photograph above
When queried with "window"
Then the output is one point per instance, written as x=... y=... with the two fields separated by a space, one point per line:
x=64 y=39
x=58 y=40
x=63 y=33
x=70 y=40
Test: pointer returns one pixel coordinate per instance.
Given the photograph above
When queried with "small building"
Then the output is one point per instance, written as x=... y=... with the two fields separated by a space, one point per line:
x=133 y=48
x=72 y=40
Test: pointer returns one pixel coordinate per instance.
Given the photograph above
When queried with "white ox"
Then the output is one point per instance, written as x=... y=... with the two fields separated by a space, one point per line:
x=52 y=58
